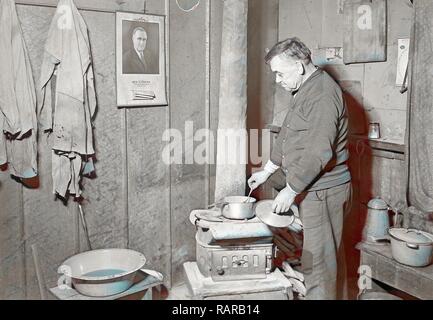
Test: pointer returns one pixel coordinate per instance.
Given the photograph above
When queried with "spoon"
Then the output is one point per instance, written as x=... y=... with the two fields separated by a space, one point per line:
x=249 y=196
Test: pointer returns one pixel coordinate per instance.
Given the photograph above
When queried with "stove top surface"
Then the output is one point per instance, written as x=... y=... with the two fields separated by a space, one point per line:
x=215 y=216
x=225 y=229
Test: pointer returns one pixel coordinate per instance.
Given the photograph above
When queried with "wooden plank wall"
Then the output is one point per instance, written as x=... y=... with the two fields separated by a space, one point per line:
x=320 y=25
x=262 y=35
x=136 y=201
x=148 y=187
x=362 y=45
x=12 y=272
x=189 y=28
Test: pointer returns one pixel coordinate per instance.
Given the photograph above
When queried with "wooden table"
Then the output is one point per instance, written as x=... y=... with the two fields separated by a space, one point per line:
x=148 y=284
x=417 y=282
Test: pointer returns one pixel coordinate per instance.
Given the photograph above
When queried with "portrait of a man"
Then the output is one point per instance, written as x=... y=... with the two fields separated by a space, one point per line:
x=140 y=48
x=141 y=79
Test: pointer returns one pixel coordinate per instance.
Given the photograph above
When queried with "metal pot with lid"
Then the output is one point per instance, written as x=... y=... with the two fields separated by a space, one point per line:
x=411 y=247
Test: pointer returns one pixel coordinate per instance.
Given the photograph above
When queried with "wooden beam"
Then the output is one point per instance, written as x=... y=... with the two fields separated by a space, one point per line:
x=93 y=5
x=231 y=173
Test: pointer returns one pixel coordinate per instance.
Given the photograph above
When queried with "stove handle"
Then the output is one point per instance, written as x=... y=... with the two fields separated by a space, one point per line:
x=220 y=271
x=269 y=260
x=241 y=262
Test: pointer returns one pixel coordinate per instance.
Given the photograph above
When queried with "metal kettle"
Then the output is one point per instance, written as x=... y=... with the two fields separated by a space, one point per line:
x=378 y=222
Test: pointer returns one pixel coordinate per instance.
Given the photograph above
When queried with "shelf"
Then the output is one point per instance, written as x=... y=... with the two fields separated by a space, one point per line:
x=382 y=144
x=417 y=282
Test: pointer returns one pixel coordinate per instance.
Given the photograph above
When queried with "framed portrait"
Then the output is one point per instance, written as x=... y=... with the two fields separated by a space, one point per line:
x=140 y=60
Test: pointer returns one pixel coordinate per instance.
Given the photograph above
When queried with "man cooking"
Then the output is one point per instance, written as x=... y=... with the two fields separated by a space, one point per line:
x=309 y=161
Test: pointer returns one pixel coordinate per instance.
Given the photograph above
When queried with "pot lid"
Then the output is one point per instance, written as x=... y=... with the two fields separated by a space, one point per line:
x=411 y=236
x=265 y=213
x=378 y=204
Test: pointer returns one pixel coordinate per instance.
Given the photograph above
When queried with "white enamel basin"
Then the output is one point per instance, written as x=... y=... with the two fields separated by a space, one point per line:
x=102 y=273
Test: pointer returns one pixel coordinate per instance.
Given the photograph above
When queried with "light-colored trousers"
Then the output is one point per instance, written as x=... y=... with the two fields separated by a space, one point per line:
x=323 y=260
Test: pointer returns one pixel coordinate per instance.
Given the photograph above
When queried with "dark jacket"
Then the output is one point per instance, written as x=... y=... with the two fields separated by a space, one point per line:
x=132 y=64
x=312 y=145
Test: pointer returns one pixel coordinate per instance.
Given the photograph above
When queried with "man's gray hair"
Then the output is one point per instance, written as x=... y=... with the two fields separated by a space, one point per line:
x=138 y=29
x=292 y=48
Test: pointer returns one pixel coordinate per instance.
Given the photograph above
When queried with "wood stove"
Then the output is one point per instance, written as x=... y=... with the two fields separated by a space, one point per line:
x=233 y=257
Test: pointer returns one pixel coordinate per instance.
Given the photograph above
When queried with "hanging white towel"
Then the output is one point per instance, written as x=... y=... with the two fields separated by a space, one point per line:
x=67 y=66
x=67 y=168
x=17 y=97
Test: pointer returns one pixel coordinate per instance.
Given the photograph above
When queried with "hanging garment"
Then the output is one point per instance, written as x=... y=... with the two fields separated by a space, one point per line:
x=18 y=123
x=67 y=74
x=3 y=152
x=419 y=133
x=67 y=168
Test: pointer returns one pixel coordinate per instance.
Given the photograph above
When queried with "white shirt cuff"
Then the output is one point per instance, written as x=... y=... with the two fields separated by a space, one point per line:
x=271 y=167
x=293 y=192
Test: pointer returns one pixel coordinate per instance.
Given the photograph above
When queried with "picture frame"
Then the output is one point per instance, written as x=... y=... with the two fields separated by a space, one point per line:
x=140 y=60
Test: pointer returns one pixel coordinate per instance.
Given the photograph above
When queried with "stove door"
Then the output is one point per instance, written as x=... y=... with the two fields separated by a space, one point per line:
x=234 y=265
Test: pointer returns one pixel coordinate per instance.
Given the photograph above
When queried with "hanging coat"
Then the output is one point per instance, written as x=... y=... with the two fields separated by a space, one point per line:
x=18 y=123
x=67 y=67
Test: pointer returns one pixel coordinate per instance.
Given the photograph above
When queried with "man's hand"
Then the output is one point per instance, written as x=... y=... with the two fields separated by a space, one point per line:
x=284 y=201
x=258 y=178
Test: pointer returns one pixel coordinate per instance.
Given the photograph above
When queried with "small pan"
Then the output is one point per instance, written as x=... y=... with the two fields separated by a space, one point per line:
x=237 y=208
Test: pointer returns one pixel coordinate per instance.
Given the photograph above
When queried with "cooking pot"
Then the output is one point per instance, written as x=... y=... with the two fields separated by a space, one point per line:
x=238 y=208
x=411 y=247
